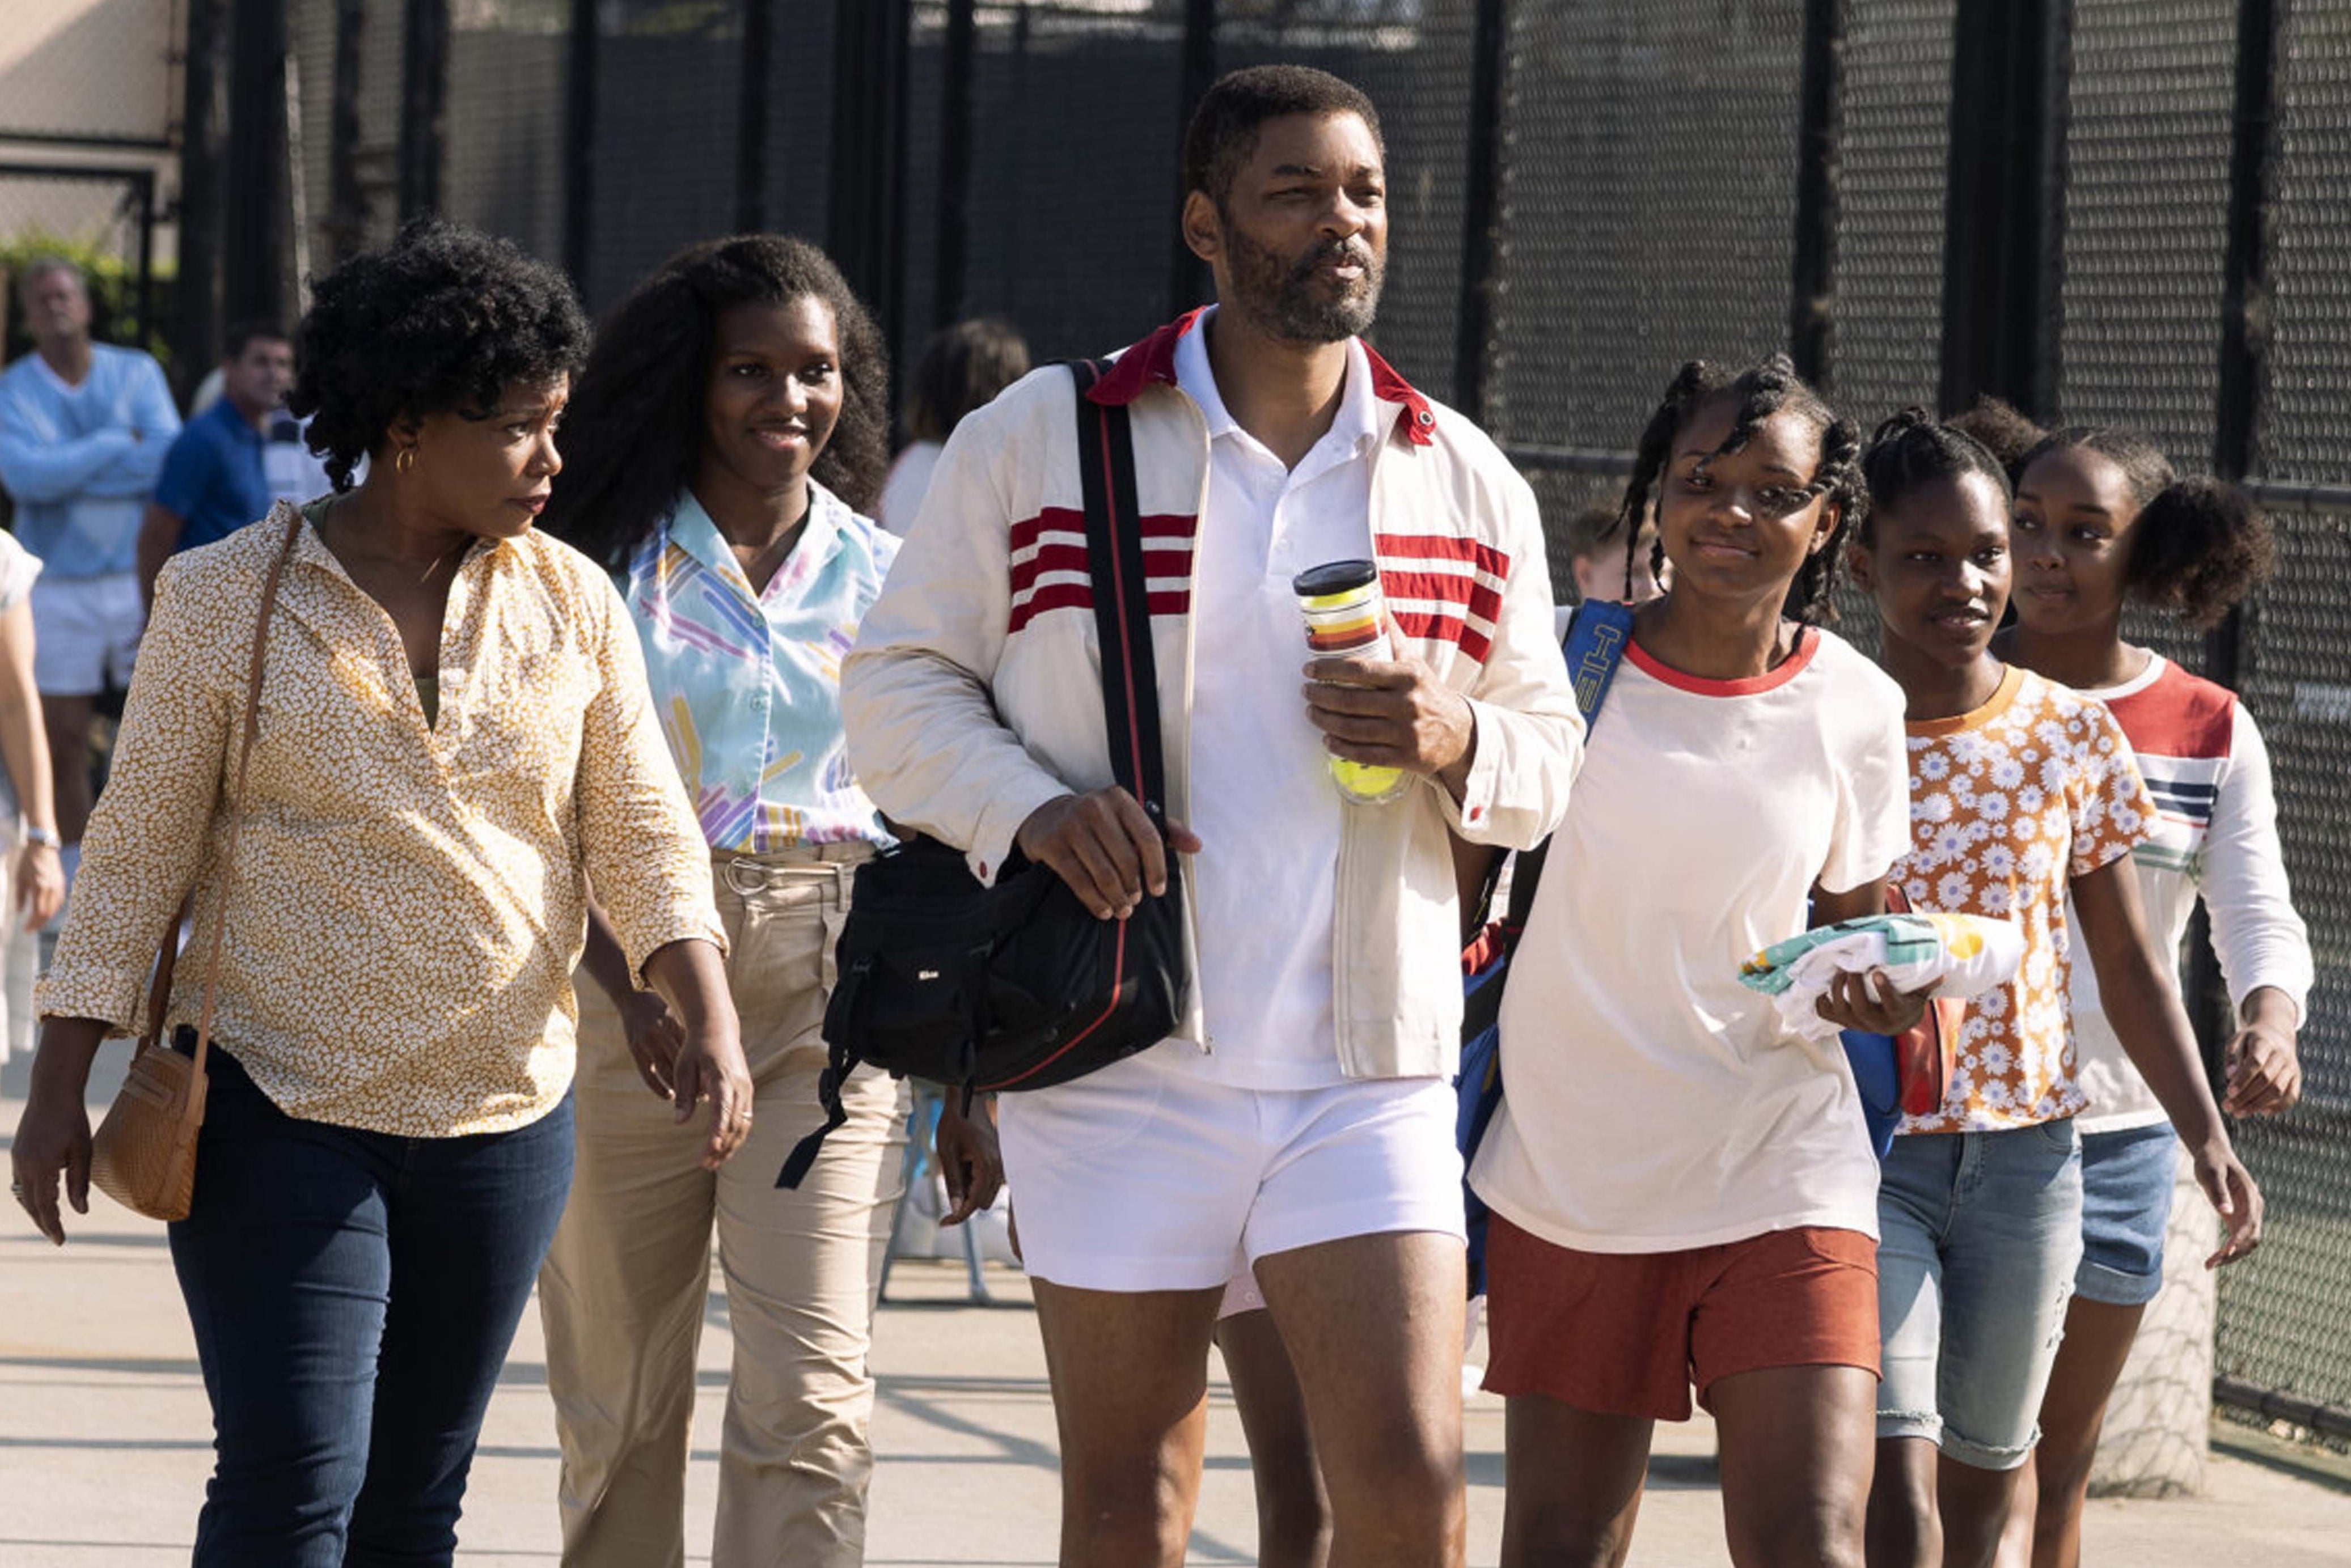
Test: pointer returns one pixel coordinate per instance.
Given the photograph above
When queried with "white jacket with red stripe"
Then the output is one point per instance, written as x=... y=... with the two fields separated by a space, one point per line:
x=973 y=695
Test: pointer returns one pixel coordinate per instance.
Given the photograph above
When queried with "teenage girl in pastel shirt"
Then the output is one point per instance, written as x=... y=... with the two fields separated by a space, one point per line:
x=2022 y=794
x=2100 y=519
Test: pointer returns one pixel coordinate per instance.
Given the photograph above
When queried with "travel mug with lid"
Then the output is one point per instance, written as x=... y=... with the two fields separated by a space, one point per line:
x=1346 y=614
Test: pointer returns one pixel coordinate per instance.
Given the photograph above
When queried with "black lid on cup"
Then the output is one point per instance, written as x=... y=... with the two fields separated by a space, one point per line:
x=1334 y=577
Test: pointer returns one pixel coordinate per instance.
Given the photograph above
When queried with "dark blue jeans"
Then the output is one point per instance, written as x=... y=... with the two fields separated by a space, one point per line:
x=353 y=1296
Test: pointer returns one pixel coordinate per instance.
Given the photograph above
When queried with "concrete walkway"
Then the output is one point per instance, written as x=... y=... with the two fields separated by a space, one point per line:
x=104 y=1442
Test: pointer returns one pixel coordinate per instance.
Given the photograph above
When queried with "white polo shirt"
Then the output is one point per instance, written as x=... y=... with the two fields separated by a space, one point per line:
x=1263 y=885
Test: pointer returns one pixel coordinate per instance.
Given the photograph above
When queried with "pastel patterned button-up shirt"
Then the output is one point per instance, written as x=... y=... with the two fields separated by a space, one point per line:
x=748 y=684
x=409 y=898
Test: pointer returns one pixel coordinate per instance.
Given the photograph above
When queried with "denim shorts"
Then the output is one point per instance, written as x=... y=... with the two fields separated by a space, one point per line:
x=2127 y=1184
x=1980 y=1234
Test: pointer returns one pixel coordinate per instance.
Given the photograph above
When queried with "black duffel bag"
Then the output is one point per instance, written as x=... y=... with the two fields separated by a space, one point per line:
x=1018 y=985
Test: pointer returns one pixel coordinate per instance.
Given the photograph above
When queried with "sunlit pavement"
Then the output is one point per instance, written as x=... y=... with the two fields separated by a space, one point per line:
x=104 y=1441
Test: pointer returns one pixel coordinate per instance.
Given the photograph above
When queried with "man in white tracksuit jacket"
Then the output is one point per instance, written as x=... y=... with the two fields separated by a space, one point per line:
x=1300 y=1124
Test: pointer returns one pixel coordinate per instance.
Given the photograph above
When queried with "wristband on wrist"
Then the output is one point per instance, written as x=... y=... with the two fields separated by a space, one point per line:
x=47 y=838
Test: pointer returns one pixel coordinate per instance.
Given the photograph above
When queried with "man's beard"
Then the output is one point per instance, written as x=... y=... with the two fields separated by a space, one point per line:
x=1284 y=298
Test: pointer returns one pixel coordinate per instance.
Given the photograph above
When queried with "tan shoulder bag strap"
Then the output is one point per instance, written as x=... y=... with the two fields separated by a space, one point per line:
x=159 y=996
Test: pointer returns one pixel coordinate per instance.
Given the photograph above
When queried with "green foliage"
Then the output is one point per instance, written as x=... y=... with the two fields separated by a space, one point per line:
x=113 y=293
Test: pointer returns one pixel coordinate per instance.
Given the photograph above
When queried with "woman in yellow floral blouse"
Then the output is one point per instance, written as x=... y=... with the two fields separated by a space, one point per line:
x=454 y=737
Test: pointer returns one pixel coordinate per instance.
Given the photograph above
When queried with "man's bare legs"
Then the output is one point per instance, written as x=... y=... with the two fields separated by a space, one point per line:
x=1130 y=1374
x=1293 y=1509
x=67 y=722
x=1374 y=1326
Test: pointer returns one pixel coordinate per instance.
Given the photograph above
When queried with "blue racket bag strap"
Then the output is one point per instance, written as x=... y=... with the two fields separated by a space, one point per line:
x=1597 y=635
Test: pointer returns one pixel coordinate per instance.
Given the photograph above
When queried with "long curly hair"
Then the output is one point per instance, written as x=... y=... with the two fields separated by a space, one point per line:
x=442 y=319
x=1762 y=389
x=633 y=437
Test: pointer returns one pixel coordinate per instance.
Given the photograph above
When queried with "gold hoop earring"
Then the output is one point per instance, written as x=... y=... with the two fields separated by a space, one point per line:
x=404 y=461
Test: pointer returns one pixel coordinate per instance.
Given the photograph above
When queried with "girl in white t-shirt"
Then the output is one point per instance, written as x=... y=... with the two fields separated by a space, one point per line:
x=1682 y=1191
x=2100 y=517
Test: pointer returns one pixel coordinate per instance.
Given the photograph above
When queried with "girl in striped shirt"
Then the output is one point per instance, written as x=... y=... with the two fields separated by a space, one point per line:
x=2100 y=520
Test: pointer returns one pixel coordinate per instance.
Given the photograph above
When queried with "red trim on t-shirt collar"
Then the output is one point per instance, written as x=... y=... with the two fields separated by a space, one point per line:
x=1808 y=640
x=1153 y=360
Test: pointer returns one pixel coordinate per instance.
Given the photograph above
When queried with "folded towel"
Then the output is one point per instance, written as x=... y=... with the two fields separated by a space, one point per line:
x=1967 y=954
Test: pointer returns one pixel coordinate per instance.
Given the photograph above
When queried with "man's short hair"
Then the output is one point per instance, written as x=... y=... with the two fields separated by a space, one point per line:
x=245 y=334
x=1222 y=136
x=40 y=267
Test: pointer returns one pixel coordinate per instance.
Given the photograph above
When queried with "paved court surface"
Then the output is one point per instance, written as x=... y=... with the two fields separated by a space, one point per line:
x=104 y=1441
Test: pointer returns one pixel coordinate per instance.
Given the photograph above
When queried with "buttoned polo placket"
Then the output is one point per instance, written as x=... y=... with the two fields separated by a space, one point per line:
x=1274 y=491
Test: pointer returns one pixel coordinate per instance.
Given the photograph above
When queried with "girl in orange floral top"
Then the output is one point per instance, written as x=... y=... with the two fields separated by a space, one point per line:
x=2022 y=792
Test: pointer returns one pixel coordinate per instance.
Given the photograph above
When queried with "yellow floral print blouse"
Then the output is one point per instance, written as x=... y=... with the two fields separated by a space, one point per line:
x=409 y=901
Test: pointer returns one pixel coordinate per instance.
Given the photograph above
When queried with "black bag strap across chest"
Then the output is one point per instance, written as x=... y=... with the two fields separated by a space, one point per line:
x=1122 y=593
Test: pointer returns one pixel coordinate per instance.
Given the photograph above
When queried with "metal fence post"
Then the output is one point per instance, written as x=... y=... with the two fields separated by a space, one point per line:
x=951 y=217
x=143 y=190
x=2243 y=411
x=1187 y=275
x=2245 y=301
x=1819 y=142
x=203 y=141
x=253 y=238
x=1481 y=213
x=865 y=213
x=751 y=118
x=580 y=144
x=2004 y=204
x=345 y=202
x=424 y=105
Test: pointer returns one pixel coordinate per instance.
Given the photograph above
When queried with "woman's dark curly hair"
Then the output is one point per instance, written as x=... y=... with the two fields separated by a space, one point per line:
x=1764 y=389
x=1914 y=450
x=633 y=436
x=442 y=319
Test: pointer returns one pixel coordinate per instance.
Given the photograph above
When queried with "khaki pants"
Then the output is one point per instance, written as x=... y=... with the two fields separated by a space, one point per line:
x=625 y=1290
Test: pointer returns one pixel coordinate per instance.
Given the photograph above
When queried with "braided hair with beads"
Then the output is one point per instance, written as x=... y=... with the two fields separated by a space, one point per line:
x=1770 y=388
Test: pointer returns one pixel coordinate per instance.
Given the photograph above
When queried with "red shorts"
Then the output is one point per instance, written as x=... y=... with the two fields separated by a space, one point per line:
x=1628 y=1334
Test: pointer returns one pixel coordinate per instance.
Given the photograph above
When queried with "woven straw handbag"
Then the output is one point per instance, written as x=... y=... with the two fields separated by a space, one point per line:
x=144 y=1154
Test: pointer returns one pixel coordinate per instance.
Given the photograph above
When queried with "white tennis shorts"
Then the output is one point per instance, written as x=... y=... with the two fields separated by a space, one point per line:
x=86 y=633
x=1146 y=1177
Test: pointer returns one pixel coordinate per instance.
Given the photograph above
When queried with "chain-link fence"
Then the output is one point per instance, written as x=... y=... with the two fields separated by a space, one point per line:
x=2124 y=210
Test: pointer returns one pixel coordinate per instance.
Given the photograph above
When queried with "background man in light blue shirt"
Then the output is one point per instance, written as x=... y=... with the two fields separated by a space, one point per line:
x=84 y=428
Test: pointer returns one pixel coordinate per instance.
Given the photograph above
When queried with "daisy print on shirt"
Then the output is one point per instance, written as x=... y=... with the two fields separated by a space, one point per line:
x=2008 y=805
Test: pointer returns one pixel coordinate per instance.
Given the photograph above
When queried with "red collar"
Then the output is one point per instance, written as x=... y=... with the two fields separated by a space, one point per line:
x=1153 y=360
